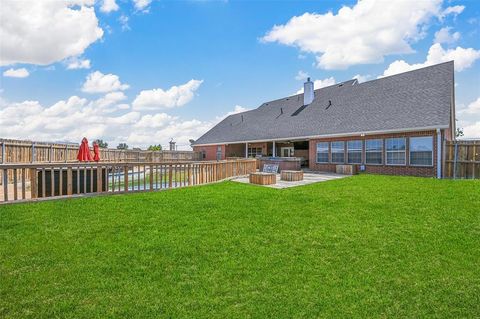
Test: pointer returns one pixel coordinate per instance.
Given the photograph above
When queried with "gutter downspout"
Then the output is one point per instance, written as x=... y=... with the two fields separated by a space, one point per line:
x=439 y=153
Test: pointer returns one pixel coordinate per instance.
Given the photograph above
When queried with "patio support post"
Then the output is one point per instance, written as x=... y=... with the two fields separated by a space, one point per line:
x=274 y=153
x=439 y=153
x=246 y=150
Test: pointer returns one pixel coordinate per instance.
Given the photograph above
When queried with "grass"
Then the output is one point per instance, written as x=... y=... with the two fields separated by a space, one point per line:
x=366 y=246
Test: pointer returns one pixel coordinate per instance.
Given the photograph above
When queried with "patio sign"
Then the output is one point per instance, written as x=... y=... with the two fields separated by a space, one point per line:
x=270 y=168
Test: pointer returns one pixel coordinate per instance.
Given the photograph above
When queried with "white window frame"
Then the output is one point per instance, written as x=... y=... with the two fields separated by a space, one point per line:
x=250 y=153
x=396 y=151
x=331 y=151
x=380 y=151
x=357 y=150
x=410 y=151
x=328 y=153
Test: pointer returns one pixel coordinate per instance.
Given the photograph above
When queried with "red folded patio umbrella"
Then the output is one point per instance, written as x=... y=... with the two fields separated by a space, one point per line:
x=96 y=152
x=84 y=152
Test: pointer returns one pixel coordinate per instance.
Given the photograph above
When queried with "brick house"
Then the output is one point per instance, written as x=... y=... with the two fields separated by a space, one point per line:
x=392 y=125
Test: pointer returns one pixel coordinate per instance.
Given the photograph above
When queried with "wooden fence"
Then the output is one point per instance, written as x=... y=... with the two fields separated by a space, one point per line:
x=462 y=159
x=71 y=179
x=18 y=151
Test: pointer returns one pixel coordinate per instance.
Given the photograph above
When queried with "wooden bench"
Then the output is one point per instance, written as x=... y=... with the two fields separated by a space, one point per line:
x=291 y=176
x=261 y=178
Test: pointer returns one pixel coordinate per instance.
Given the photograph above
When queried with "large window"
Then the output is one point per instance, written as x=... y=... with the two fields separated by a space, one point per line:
x=395 y=151
x=373 y=152
x=254 y=151
x=338 y=152
x=322 y=152
x=354 y=152
x=421 y=151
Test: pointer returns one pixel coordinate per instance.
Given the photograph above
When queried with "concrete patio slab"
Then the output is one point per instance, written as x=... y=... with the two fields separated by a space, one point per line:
x=309 y=177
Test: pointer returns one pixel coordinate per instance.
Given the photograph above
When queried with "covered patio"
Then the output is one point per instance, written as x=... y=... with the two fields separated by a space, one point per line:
x=269 y=149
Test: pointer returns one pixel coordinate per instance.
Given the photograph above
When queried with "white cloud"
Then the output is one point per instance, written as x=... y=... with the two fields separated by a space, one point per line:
x=75 y=63
x=364 y=33
x=109 y=6
x=469 y=119
x=16 y=73
x=154 y=120
x=444 y=36
x=110 y=99
x=236 y=109
x=301 y=76
x=317 y=84
x=173 y=97
x=362 y=78
x=464 y=58
x=44 y=32
x=97 y=82
x=76 y=117
x=455 y=10
x=123 y=19
x=472 y=109
x=142 y=5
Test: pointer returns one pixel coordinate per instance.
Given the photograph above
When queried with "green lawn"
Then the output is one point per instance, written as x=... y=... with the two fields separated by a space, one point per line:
x=366 y=246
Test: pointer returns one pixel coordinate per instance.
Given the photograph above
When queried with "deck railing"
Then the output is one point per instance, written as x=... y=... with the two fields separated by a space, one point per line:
x=73 y=179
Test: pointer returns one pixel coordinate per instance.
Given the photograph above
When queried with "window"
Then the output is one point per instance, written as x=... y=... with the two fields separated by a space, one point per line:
x=373 y=152
x=395 y=151
x=421 y=151
x=338 y=152
x=354 y=152
x=254 y=151
x=322 y=152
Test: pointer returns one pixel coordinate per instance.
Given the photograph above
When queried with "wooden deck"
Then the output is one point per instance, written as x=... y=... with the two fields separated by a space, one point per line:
x=58 y=180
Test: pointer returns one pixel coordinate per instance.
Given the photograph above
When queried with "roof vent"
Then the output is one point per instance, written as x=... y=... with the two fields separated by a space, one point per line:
x=329 y=104
x=308 y=92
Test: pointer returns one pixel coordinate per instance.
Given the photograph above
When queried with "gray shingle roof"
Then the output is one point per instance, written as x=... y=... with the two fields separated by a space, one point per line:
x=416 y=99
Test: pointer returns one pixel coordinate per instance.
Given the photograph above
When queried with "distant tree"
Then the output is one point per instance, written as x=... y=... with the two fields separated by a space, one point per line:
x=101 y=143
x=459 y=132
x=155 y=147
x=122 y=146
x=191 y=141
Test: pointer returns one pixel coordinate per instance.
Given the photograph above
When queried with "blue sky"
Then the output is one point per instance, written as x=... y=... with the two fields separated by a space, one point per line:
x=231 y=50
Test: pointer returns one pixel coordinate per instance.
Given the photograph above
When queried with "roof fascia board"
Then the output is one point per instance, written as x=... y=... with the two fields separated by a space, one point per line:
x=426 y=128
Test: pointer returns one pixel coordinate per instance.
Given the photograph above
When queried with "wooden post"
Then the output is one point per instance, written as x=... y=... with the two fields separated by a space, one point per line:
x=60 y=181
x=43 y=183
x=69 y=181
x=3 y=153
x=33 y=182
x=52 y=182
x=151 y=177
x=99 y=179
x=15 y=193
x=34 y=155
x=5 y=184
x=189 y=175
x=23 y=183
x=125 y=178
x=170 y=176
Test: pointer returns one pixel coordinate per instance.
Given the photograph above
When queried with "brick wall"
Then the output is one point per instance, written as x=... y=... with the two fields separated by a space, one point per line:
x=210 y=151
x=383 y=168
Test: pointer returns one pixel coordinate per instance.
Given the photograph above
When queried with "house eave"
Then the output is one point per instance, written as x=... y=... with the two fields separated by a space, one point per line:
x=425 y=128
